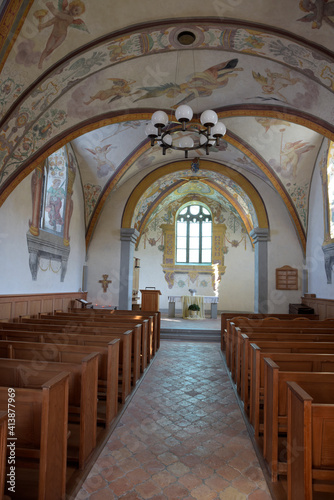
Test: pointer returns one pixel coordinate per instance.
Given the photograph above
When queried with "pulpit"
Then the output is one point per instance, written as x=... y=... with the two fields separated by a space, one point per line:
x=150 y=300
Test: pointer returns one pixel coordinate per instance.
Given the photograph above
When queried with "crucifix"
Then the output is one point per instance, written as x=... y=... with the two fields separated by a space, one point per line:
x=105 y=282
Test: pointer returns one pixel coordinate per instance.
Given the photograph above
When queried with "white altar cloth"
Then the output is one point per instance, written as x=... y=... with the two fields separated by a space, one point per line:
x=207 y=299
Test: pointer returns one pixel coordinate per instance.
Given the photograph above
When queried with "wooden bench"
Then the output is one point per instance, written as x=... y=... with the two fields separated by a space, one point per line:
x=40 y=432
x=258 y=316
x=96 y=328
x=82 y=409
x=269 y=326
x=93 y=314
x=244 y=379
x=310 y=441
x=141 y=343
x=124 y=376
x=156 y=315
x=273 y=325
x=108 y=362
x=303 y=360
x=237 y=349
x=276 y=411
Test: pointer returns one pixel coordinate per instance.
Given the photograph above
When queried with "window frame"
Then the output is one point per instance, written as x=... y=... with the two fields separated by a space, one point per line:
x=200 y=218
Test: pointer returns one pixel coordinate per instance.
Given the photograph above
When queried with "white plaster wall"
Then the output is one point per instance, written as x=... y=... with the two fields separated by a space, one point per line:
x=317 y=280
x=14 y=256
x=103 y=256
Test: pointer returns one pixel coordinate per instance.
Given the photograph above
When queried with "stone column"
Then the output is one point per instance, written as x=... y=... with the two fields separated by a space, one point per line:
x=128 y=240
x=260 y=237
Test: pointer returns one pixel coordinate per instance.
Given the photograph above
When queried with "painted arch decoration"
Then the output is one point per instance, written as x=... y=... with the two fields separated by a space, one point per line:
x=155 y=187
x=51 y=107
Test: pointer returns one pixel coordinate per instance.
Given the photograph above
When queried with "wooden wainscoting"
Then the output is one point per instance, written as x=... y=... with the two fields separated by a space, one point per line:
x=323 y=307
x=13 y=306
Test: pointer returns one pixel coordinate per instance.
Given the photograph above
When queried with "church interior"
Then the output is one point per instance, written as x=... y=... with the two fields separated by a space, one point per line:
x=137 y=164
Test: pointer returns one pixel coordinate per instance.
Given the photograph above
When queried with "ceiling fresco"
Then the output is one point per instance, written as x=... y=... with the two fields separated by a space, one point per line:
x=71 y=73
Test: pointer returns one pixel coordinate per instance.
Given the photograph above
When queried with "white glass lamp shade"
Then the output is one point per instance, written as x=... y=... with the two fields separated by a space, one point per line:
x=151 y=130
x=209 y=118
x=202 y=140
x=168 y=139
x=184 y=113
x=186 y=142
x=218 y=130
x=159 y=119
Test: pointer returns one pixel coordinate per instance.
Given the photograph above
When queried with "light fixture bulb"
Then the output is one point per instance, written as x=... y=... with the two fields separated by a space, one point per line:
x=184 y=113
x=209 y=118
x=159 y=119
x=168 y=139
x=151 y=130
x=218 y=130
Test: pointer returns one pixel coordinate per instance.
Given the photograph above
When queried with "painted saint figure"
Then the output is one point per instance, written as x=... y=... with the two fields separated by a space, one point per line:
x=54 y=202
x=62 y=19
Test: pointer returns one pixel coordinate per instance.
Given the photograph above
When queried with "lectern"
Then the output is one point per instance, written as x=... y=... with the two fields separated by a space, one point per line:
x=150 y=300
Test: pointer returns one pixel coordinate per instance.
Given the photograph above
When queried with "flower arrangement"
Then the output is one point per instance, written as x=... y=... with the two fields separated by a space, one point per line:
x=194 y=307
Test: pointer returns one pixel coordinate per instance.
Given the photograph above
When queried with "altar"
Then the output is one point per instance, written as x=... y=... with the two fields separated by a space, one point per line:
x=186 y=300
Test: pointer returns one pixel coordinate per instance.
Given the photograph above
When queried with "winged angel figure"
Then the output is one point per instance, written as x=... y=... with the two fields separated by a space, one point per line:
x=200 y=84
x=63 y=18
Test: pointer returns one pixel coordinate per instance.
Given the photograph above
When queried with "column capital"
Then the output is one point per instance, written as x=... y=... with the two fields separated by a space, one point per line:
x=259 y=234
x=129 y=234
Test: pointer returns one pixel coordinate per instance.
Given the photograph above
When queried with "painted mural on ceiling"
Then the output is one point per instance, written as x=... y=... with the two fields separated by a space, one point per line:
x=66 y=94
x=197 y=186
x=84 y=77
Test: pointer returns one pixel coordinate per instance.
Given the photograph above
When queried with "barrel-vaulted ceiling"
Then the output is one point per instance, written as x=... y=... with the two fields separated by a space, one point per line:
x=92 y=73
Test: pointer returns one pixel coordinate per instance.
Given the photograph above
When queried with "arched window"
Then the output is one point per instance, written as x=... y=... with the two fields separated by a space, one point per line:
x=194 y=235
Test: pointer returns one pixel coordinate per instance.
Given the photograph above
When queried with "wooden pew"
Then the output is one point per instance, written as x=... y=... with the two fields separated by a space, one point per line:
x=276 y=411
x=41 y=432
x=102 y=315
x=236 y=345
x=244 y=380
x=310 y=441
x=134 y=314
x=108 y=361
x=259 y=316
x=156 y=324
x=82 y=409
x=268 y=325
x=70 y=325
x=3 y=449
x=81 y=339
x=303 y=360
x=142 y=339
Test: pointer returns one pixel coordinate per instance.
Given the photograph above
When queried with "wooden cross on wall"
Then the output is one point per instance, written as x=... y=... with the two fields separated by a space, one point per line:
x=105 y=282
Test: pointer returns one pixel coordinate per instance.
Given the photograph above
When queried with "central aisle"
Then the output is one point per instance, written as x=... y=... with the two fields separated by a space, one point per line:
x=181 y=437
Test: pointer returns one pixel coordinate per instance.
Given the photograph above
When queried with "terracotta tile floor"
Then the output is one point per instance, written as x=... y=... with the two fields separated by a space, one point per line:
x=181 y=437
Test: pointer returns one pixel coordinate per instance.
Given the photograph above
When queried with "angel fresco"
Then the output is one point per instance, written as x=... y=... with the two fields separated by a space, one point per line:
x=273 y=83
x=290 y=155
x=319 y=11
x=63 y=18
x=104 y=166
x=120 y=88
x=200 y=84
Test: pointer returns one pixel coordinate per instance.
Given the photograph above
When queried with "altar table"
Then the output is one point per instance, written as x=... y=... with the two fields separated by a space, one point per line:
x=190 y=300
